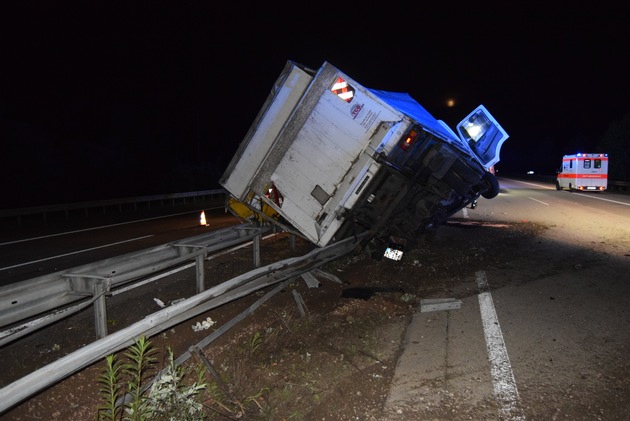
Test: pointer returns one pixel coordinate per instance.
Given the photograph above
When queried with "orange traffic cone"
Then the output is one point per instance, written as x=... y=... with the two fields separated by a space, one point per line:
x=202 y=220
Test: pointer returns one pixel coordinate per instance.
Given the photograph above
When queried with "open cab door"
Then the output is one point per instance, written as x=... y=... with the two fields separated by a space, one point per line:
x=483 y=134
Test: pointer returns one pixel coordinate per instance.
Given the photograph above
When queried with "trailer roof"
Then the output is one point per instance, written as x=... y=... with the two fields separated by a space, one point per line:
x=404 y=103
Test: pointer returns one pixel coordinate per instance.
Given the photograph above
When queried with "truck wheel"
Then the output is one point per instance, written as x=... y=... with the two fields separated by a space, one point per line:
x=558 y=185
x=492 y=185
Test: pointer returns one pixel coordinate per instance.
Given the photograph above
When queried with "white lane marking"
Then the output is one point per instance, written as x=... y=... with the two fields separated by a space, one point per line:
x=74 y=252
x=585 y=194
x=600 y=198
x=503 y=382
x=104 y=226
x=532 y=184
x=539 y=201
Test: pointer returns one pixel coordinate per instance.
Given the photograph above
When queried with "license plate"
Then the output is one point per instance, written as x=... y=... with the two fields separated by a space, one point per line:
x=393 y=254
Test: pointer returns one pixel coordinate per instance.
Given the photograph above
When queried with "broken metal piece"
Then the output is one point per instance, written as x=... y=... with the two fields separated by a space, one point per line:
x=310 y=280
x=439 y=304
x=327 y=275
x=301 y=305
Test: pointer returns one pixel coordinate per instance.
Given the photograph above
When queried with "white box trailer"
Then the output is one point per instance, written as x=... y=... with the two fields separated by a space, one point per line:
x=583 y=171
x=332 y=158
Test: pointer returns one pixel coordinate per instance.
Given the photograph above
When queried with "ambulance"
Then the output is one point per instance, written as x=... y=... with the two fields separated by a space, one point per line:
x=583 y=171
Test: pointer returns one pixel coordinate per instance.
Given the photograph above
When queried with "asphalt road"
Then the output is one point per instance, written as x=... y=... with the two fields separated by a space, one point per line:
x=546 y=337
x=38 y=248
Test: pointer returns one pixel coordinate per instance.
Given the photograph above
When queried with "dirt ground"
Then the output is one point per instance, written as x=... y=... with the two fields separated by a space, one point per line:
x=308 y=353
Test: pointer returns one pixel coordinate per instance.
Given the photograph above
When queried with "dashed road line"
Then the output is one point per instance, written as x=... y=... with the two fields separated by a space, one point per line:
x=74 y=252
x=539 y=201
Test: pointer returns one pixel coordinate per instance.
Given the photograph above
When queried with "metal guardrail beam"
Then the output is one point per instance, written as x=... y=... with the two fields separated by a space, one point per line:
x=35 y=296
x=65 y=208
x=228 y=291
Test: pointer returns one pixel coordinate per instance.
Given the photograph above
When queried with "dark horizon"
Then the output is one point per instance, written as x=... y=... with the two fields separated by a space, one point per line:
x=107 y=101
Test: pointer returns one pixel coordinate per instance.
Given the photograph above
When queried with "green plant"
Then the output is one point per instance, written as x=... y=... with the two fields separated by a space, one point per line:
x=170 y=399
x=255 y=342
x=127 y=396
x=139 y=368
x=110 y=389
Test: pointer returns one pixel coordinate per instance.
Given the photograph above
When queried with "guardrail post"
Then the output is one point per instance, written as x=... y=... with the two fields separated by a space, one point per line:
x=200 y=273
x=100 y=308
x=256 y=248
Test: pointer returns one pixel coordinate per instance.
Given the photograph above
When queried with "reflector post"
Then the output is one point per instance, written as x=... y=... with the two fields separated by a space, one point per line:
x=343 y=90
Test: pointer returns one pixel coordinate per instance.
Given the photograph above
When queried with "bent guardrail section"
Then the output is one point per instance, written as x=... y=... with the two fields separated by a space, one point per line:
x=235 y=288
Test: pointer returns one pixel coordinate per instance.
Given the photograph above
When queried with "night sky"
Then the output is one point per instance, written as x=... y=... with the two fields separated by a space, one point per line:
x=103 y=100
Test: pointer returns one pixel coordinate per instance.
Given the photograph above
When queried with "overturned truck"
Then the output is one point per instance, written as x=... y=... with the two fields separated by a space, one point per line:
x=329 y=158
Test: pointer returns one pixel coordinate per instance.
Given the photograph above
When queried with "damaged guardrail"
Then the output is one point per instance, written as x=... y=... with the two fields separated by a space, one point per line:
x=216 y=296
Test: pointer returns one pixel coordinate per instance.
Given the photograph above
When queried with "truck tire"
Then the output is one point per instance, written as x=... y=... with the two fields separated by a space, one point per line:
x=492 y=185
x=558 y=185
